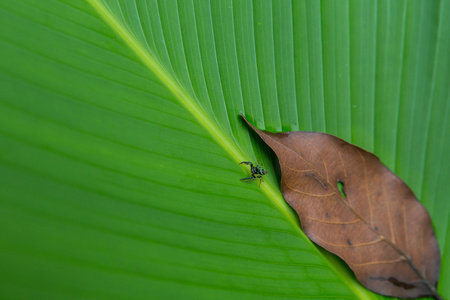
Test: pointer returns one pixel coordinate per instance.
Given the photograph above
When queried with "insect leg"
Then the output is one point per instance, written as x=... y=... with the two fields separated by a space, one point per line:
x=247 y=163
x=260 y=178
x=249 y=178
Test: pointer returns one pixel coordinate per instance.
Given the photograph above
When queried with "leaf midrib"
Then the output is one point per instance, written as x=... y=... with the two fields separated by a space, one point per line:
x=219 y=136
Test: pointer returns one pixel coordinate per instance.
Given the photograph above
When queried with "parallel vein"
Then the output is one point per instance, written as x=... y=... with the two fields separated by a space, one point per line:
x=191 y=105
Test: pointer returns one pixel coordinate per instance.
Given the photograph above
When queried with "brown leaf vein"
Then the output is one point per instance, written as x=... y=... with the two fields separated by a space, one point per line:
x=308 y=194
x=349 y=246
x=401 y=259
x=389 y=214
x=366 y=183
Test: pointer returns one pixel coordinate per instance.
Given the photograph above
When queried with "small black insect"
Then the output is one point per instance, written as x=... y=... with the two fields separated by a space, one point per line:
x=257 y=171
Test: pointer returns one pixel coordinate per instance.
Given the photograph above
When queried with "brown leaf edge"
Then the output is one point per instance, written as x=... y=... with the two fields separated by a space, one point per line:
x=432 y=290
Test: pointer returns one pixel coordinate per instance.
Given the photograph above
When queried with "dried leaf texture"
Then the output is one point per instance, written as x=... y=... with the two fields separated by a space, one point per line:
x=378 y=227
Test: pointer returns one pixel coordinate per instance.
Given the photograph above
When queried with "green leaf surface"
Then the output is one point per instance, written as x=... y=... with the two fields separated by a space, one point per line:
x=120 y=139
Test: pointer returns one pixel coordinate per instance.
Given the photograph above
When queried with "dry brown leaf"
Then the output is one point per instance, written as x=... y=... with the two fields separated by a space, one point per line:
x=377 y=227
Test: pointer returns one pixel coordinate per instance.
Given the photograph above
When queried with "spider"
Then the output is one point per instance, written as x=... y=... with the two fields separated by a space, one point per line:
x=257 y=171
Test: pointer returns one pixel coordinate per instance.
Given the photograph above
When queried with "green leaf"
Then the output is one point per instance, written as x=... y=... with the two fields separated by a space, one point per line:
x=120 y=139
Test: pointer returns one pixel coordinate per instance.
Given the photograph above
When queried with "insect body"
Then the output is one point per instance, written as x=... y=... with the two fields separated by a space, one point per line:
x=257 y=171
